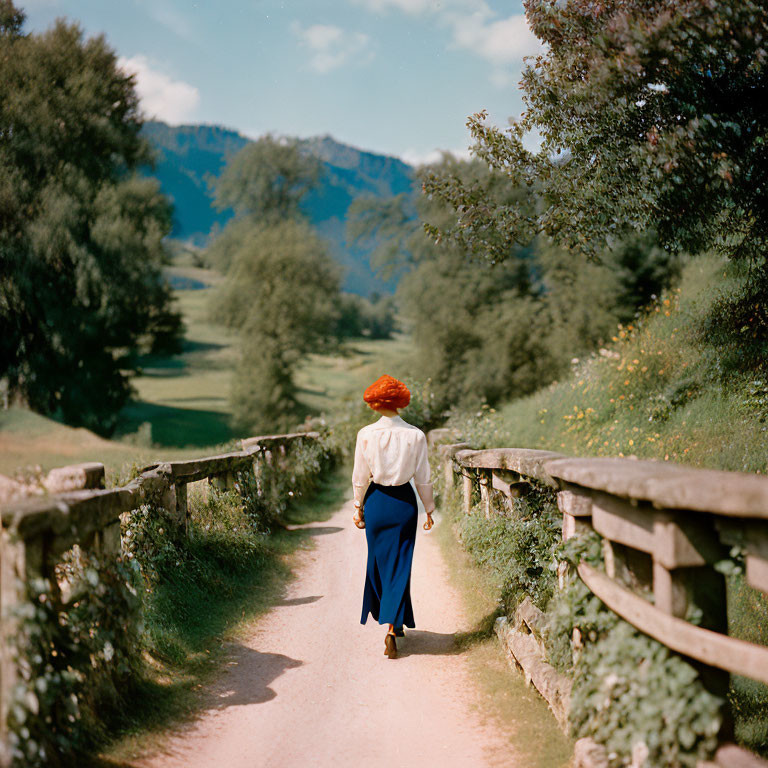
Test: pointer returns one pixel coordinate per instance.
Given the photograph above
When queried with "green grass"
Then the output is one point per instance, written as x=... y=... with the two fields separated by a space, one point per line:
x=28 y=440
x=173 y=426
x=209 y=600
x=30 y=443
x=518 y=711
x=658 y=390
x=661 y=389
x=325 y=381
x=185 y=397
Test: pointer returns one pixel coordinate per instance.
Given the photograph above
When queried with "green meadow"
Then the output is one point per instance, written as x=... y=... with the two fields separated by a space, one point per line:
x=181 y=405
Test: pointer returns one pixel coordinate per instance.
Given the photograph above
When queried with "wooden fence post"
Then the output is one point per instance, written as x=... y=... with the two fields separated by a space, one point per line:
x=467 y=479
x=11 y=570
x=448 y=473
x=20 y=562
x=485 y=496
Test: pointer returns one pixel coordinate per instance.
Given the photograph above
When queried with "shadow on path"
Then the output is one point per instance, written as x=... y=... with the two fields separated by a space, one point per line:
x=319 y=530
x=247 y=677
x=418 y=642
x=300 y=600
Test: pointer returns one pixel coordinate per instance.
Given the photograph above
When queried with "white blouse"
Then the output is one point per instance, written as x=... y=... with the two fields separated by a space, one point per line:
x=392 y=452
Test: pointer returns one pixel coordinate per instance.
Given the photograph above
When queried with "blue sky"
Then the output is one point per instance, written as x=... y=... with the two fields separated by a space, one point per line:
x=394 y=76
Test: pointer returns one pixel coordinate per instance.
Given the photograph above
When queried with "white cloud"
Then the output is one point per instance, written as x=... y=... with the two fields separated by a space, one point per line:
x=409 y=6
x=331 y=47
x=415 y=157
x=415 y=7
x=502 y=78
x=503 y=42
x=172 y=101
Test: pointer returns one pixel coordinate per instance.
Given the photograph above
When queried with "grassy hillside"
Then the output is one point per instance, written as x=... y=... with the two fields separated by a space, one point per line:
x=671 y=386
x=28 y=440
x=663 y=388
x=328 y=381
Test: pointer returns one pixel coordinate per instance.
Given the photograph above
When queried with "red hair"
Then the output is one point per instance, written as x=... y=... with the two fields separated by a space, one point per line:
x=387 y=392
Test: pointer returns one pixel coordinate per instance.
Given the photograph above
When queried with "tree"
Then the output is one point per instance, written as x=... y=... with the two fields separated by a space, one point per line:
x=449 y=303
x=268 y=178
x=291 y=288
x=285 y=272
x=653 y=116
x=360 y=317
x=81 y=291
x=494 y=331
x=281 y=289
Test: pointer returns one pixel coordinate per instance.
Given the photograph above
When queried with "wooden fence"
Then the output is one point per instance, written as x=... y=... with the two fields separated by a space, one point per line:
x=35 y=532
x=664 y=527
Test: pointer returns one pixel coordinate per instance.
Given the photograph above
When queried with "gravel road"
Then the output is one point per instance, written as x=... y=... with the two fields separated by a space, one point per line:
x=310 y=686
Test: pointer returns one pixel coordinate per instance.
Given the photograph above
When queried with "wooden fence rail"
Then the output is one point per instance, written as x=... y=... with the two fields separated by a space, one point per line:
x=35 y=532
x=664 y=529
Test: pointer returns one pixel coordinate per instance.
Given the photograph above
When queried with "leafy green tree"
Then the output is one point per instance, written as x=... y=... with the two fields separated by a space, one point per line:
x=478 y=337
x=281 y=289
x=396 y=225
x=81 y=252
x=652 y=117
x=373 y=318
x=452 y=306
x=490 y=332
x=268 y=178
x=285 y=272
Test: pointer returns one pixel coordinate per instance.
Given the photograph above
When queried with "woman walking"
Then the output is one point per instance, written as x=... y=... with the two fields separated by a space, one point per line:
x=388 y=454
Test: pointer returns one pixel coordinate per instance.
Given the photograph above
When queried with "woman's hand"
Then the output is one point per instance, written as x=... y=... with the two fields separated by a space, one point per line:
x=429 y=522
x=359 y=518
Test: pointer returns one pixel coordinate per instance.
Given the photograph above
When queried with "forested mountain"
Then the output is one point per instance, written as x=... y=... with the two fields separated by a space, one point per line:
x=187 y=155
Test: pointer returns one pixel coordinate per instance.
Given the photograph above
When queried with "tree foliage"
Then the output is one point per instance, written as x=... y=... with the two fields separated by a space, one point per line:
x=283 y=270
x=268 y=178
x=653 y=115
x=494 y=331
x=81 y=234
x=361 y=317
x=282 y=287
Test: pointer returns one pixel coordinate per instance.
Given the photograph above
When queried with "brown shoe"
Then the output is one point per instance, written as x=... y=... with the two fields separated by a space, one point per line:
x=390 y=645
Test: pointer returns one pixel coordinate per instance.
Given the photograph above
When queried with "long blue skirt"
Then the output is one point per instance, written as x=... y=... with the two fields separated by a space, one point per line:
x=390 y=529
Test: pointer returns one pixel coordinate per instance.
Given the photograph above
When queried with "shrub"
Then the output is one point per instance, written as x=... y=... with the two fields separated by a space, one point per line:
x=646 y=705
x=76 y=661
x=82 y=658
x=518 y=549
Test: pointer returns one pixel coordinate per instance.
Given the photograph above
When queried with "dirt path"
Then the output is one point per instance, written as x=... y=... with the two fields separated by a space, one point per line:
x=311 y=687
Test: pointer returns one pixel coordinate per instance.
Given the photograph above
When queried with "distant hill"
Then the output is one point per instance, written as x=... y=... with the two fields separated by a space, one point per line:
x=187 y=156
